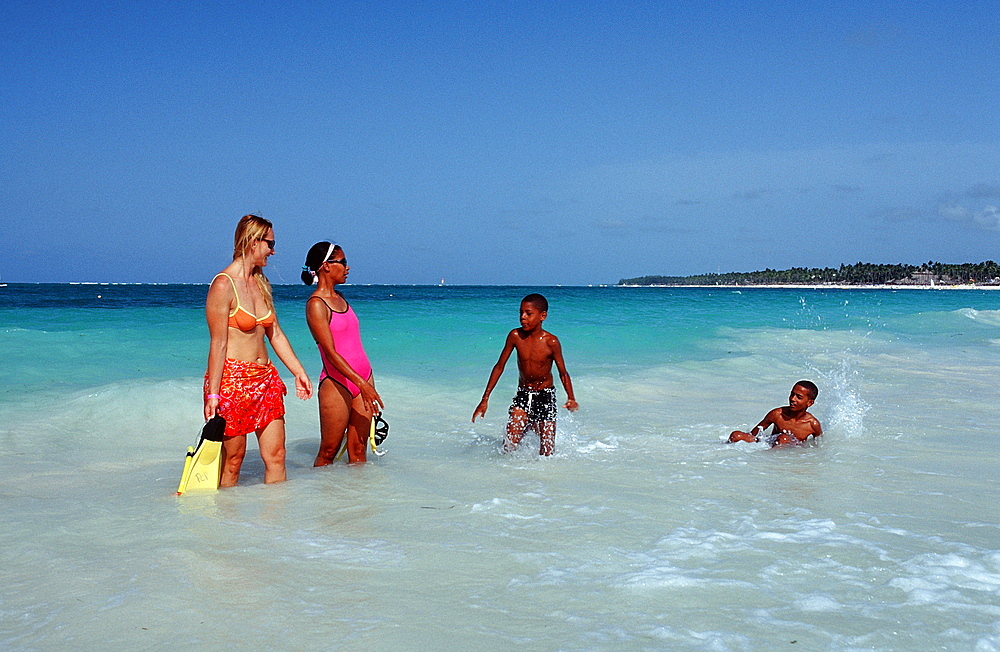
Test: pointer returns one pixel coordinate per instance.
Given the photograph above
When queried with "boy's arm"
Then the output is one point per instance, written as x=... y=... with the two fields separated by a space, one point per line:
x=754 y=434
x=567 y=384
x=494 y=376
x=817 y=429
x=765 y=423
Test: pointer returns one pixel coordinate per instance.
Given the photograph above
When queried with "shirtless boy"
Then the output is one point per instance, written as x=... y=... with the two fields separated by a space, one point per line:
x=792 y=423
x=535 y=402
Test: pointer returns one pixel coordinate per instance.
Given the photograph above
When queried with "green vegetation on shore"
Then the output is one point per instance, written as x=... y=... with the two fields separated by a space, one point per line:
x=986 y=273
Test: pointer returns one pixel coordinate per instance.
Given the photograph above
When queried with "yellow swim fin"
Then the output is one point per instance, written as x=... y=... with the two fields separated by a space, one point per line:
x=187 y=470
x=343 y=447
x=202 y=466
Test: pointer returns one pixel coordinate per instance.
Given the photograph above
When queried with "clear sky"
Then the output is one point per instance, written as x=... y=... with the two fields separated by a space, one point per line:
x=497 y=142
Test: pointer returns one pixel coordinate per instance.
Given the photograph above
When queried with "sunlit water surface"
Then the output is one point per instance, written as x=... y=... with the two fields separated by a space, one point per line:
x=644 y=531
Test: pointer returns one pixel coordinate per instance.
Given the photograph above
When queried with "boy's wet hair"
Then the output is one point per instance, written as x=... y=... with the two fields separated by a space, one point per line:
x=810 y=387
x=538 y=301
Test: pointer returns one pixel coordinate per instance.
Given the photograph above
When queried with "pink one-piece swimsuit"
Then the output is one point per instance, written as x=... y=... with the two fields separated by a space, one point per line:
x=346 y=333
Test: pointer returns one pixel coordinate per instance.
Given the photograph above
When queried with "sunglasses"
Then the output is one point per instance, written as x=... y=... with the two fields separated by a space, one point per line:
x=342 y=261
x=270 y=243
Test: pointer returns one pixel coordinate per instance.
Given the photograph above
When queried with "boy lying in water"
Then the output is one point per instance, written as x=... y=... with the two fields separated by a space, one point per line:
x=792 y=423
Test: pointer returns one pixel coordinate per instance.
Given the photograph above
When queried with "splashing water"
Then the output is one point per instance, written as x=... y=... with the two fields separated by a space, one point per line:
x=847 y=410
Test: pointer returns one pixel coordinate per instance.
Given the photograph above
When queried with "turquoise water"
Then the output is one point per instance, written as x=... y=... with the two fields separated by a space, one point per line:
x=644 y=531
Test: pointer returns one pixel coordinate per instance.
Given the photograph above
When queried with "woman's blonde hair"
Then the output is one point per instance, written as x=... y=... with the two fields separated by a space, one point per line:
x=251 y=229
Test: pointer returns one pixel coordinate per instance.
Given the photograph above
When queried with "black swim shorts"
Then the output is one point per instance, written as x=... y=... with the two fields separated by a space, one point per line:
x=540 y=404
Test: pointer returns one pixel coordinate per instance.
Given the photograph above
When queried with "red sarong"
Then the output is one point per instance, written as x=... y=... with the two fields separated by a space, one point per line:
x=252 y=396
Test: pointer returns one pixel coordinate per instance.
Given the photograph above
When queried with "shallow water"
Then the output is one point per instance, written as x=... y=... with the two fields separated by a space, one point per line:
x=644 y=531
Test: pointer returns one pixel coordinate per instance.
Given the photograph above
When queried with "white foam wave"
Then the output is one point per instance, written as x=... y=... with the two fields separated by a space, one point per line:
x=988 y=317
x=586 y=448
x=148 y=413
x=934 y=578
x=818 y=603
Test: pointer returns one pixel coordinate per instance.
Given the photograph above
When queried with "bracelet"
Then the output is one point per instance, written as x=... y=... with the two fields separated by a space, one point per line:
x=213 y=396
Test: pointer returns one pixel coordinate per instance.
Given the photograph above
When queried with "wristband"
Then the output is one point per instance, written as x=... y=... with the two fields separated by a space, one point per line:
x=213 y=396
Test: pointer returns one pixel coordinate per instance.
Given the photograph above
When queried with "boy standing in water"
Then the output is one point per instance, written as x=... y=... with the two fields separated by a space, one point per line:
x=792 y=423
x=535 y=402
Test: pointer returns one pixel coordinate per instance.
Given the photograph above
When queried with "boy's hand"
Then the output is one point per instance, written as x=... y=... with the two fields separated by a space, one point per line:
x=571 y=405
x=480 y=410
x=739 y=435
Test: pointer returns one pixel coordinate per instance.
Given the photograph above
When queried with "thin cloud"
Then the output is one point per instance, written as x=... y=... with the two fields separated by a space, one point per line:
x=646 y=224
x=984 y=191
x=895 y=214
x=975 y=207
x=612 y=225
x=846 y=189
x=986 y=217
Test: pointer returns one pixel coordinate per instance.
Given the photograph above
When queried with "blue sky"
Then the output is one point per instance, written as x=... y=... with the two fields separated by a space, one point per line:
x=506 y=142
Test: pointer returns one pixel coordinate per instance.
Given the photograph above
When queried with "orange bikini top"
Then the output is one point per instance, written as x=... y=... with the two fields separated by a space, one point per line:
x=243 y=319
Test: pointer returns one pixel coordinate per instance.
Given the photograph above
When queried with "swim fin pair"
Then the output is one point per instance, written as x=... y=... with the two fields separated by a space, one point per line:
x=202 y=465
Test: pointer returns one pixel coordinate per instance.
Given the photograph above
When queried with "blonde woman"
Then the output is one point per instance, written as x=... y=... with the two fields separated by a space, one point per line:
x=241 y=383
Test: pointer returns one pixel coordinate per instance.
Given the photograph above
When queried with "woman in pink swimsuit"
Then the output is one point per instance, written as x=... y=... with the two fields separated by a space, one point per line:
x=347 y=396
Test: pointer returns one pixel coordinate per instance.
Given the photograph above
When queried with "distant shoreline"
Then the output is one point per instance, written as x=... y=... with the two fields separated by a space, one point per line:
x=822 y=286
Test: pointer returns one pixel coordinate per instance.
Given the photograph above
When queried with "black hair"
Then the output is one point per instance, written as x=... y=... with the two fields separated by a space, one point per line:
x=538 y=301
x=810 y=387
x=314 y=260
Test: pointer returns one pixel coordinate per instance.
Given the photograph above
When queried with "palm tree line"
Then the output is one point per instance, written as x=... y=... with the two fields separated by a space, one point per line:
x=929 y=273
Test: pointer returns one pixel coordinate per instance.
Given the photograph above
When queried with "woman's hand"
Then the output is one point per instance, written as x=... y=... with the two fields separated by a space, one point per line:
x=303 y=386
x=211 y=407
x=373 y=402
